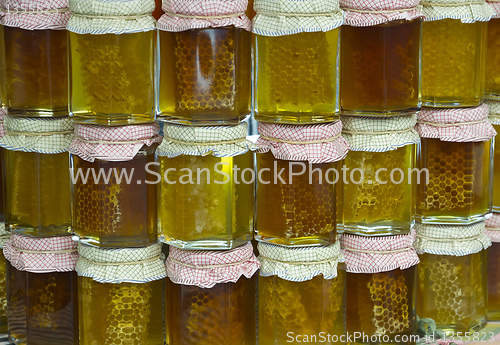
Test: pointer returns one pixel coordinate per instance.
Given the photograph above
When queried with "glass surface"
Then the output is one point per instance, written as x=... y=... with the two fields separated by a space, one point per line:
x=494 y=282
x=496 y=171
x=493 y=60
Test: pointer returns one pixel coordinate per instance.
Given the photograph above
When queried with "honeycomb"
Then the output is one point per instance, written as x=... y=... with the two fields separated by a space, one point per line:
x=493 y=58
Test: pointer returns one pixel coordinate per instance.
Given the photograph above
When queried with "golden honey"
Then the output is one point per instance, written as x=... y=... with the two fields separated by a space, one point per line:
x=496 y=172
x=36 y=67
x=304 y=308
x=3 y=293
x=120 y=314
x=204 y=213
x=205 y=76
x=493 y=60
x=380 y=68
x=494 y=282
x=37 y=193
x=112 y=78
x=459 y=305
x=296 y=79
x=453 y=63
x=3 y=86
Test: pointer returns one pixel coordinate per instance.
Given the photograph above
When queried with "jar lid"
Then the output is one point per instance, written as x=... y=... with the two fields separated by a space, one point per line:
x=492 y=227
x=456 y=124
x=299 y=264
x=466 y=11
x=123 y=265
x=218 y=141
x=494 y=112
x=41 y=254
x=378 y=254
x=117 y=143
x=204 y=269
x=376 y=134
x=182 y=15
x=288 y=17
x=455 y=240
x=36 y=14
x=496 y=8
x=48 y=135
x=370 y=12
x=99 y=17
x=313 y=143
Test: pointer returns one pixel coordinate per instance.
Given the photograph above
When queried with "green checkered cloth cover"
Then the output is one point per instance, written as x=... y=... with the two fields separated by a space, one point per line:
x=400 y=130
x=280 y=18
x=467 y=13
x=139 y=13
x=4 y=235
x=299 y=263
x=124 y=265
x=494 y=114
x=53 y=143
x=181 y=140
x=454 y=240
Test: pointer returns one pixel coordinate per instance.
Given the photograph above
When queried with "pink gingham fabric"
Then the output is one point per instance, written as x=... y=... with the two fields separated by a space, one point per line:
x=247 y=265
x=370 y=19
x=33 y=15
x=493 y=227
x=357 y=262
x=201 y=9
x=483 y=131
x=496 y=7
x=145 y=135
x=325 y=152
x=2 y=117
x=41 y=263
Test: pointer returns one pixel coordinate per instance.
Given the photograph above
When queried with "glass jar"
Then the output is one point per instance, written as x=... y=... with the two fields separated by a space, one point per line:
x=219 y=308
x=492 y=225
x=3 y=86
x=206 y=192
x=205 y=75
x=121 y=295
x=493 y=60
x=494 y=118
x=389 y=81
x=4 y=237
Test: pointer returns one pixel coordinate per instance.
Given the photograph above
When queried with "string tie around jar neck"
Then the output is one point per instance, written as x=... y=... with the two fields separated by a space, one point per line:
x=377 y=133
x=64 y=251
x=320 y=141
x=449 y=239
x=380 y=11
x=211 y=266
x=236 y=141
x=286 y=14
x=138 y=262
x=129 y=17
x=451 y=124
x=111 y=142
x=37 y=134
x=423 y=3
x=222 y=16
x=382 y=252
x=299 y=262
x=487 y=228
x=4 y=237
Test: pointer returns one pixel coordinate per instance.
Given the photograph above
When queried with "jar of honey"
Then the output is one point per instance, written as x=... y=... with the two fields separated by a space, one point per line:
x=2 y=177
x=37 y=175
x=211 y=296
x=492 y=225
x=36 y=64
x=3 y=86
x=205 y=62
x=121 y=295
x=42 y=292
x=302 y=291
x=380 y=293
x=4 y=237
x=452 y=276
x=118 y=207
x=380 y=57
x=455 y=165
x=492 y=87
x=454 y=39
x=207 y=186
x=383 y=151
x=494 y=117
x=112 y=53
x=299 y=186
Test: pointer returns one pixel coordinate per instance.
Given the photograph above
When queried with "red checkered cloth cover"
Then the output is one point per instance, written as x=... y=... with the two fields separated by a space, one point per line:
x=241 y=261
x=144 y=135
x=370 y=19
x=38 y=262
x=2 y=117
x=493 y=227
x=325 y=152
x=201 y=10
x=357 y=262
x=35 y=15
x=476 y=132
x=496 y=8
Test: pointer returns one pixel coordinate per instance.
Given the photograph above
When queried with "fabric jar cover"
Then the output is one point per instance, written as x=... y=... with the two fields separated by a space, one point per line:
x=27 y=134
x=299 y=264
x=122 y=265
x=181 y=140
x=496 y=7
x=99 y=17
x=35 y=14
x=43 y=254
x=355 y=14
x=378 y=254
x=4 y=235
x=494 y=112
x=467 y=12
x=492 y=227
x=287 y=17
x=103 y=142
x=204 y=269
x=452 y=124
x=298 y=146
x=397 y=131
x=182 y=15
x=3 y=113
x=455 y=240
